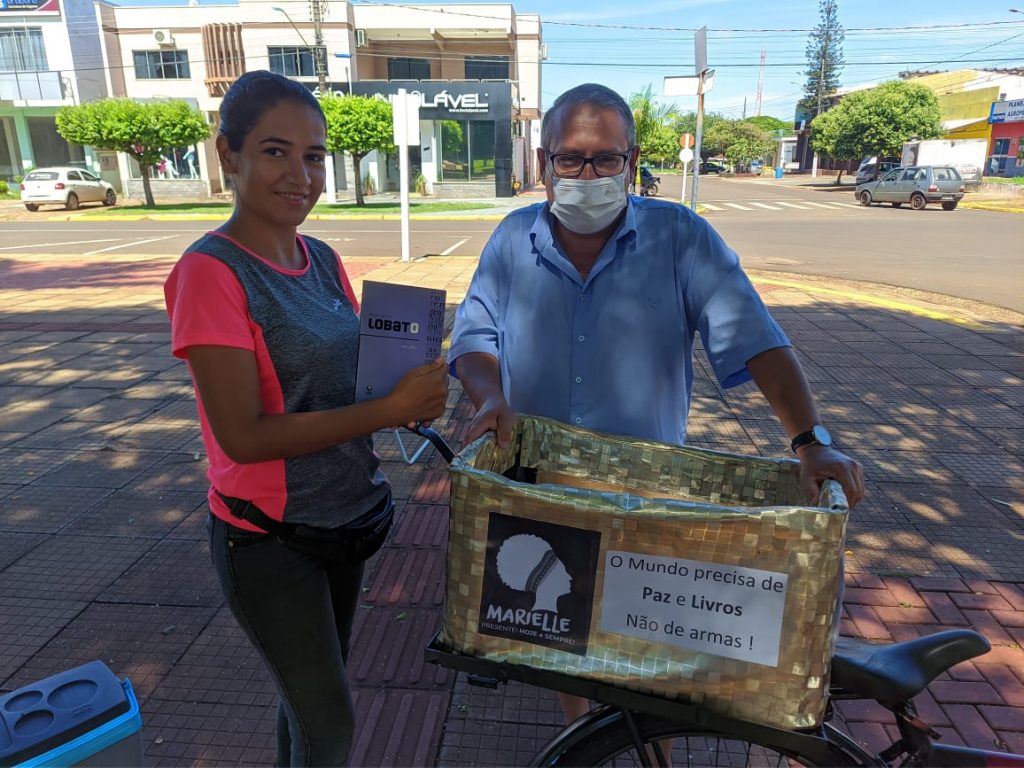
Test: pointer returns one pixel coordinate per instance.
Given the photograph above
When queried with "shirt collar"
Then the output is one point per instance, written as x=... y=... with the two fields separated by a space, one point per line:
x=542 y=233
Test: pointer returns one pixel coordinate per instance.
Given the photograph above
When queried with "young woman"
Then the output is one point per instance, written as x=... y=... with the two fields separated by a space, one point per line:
x=267 y=321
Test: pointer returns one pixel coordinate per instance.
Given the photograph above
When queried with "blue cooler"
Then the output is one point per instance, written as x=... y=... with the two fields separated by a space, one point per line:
x=84 y=716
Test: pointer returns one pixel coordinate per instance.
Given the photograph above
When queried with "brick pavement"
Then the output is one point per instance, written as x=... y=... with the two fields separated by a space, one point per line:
x=102 y=539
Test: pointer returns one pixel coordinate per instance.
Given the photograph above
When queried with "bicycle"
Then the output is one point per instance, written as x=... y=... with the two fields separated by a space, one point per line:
x=626 y=727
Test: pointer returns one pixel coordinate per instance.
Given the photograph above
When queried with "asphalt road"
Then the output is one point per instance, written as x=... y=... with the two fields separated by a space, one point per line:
x=782 y=227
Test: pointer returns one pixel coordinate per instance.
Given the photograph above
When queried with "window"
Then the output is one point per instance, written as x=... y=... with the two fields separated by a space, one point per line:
x=161 y=65
x=74 y=176
x=89 y=176
x=175 y=163
x=910 y=174
x=294 y=60
x=21 y=50
x=467 y=150
x=487 y=67
x=42 y=176
x=408 y=69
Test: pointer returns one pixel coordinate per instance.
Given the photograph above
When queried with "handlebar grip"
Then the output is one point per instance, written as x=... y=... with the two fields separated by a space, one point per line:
x=437 y=441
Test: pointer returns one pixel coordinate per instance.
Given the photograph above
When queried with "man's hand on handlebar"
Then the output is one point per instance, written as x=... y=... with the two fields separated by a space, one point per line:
x=494 y=416
x=819 y=463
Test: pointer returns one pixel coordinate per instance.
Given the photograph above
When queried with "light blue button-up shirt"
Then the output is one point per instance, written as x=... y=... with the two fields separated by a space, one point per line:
x=614 y=352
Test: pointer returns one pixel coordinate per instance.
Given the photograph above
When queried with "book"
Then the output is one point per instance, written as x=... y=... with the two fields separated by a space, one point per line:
x=400 y=327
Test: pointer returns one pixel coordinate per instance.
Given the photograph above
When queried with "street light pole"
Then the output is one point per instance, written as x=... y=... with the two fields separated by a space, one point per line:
x=317 y=59
x=316 y=12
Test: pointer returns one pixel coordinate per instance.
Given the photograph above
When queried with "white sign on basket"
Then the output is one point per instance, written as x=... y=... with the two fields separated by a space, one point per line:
x=723 y=610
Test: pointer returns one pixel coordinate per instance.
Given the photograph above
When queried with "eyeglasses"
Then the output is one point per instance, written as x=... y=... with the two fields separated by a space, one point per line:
x=572 y=166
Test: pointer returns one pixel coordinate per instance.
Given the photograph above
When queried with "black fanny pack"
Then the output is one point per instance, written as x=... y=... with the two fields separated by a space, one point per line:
x=349 y=543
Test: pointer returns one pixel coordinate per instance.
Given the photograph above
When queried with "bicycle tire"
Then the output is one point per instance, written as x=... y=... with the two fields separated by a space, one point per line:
x=606 y=740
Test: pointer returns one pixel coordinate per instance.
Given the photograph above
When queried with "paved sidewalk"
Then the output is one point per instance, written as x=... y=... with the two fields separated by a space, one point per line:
x=103 y=551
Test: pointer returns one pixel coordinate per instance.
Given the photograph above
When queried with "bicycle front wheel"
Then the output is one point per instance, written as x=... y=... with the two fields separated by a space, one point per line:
x=606 y=741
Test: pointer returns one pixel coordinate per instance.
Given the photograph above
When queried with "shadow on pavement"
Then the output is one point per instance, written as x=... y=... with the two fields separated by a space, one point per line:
x=103 y=549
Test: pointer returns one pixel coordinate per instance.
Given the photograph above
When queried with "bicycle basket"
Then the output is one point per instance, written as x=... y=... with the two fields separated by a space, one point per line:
x=675 y=571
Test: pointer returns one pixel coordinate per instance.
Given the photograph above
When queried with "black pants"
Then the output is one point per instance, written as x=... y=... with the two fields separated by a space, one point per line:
x=296 y=599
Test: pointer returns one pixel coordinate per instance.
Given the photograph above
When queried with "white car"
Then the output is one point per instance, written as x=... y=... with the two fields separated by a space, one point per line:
x=65 y=186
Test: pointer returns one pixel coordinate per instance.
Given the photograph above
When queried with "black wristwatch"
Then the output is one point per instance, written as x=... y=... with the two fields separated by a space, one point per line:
x=816 y=435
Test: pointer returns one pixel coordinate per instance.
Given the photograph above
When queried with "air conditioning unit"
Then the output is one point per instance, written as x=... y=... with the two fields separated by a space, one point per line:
x=163 y=37
x=360 y=38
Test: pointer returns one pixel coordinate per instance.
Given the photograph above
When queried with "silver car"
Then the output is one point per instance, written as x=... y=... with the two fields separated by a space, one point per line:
x=65 y=186
x=917 y=185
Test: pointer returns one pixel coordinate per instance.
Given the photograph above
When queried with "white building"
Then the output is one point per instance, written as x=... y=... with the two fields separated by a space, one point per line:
x=477 y=68
x=42 y=68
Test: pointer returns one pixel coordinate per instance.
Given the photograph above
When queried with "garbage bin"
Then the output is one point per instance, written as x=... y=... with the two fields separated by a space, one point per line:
x=778 y=173
x=84 y=716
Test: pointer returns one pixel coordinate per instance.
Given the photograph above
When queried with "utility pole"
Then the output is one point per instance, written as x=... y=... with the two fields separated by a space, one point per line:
x=317 y=13
x=744 y=108
x=760 y=82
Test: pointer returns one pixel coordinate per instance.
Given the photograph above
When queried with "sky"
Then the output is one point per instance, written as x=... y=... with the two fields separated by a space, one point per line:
x=617 y=43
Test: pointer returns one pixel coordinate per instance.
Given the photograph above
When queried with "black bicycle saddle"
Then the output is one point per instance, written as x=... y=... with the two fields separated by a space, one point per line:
x=895 y=672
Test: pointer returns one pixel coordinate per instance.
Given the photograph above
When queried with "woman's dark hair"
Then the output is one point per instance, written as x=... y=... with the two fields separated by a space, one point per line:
x=253 y=94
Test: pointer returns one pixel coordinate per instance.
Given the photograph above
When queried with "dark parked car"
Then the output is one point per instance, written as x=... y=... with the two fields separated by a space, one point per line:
x=917 y=185
x=872 y=169
x=709 y=166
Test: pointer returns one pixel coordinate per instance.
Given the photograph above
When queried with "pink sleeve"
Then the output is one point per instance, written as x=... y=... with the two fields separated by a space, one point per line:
x=207 y=305
x=347 y=284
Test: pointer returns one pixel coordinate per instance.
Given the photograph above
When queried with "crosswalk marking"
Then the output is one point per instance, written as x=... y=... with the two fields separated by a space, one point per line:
x=711 y=207
x=738 y=207
x=826 y=206
x=849 y=205
x=791 y=205
x=766 y=206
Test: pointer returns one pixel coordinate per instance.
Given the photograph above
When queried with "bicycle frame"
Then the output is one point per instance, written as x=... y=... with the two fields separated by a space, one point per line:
x=917 y=745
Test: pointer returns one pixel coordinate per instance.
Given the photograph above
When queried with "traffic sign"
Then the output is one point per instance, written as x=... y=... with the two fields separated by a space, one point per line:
x=686 y=141
x=686 y=154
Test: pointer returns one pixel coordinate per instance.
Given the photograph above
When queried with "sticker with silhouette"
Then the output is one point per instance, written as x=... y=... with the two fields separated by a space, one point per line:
x=538 y=583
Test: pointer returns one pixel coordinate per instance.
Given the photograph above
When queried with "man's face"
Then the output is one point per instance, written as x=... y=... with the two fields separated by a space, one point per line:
x=588 y=131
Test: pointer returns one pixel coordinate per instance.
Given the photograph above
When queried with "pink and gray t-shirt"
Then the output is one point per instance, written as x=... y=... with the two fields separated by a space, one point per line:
x=302 y=325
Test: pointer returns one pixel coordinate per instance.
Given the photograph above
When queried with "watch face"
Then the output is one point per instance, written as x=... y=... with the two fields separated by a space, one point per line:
x=821 y=434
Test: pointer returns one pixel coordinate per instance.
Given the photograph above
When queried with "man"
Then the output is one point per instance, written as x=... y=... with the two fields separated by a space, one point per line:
x=583 y=308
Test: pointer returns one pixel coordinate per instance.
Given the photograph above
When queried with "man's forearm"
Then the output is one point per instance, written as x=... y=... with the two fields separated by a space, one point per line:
x=480 y=377
x=779 y=376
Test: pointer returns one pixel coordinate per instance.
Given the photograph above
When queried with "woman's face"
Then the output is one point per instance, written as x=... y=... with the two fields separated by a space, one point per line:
x=279 y=173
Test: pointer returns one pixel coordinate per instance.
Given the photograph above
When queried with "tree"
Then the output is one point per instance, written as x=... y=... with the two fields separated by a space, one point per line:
x=358 y=125
x=748 y=142
x=770 y=125
x=740 y=141
x=650 y=118
x=143 y=130
x=713 y=127
x=877 y=121
x=824 y=60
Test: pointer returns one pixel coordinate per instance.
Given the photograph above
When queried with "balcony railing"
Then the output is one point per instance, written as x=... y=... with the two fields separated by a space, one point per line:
x=35 y=86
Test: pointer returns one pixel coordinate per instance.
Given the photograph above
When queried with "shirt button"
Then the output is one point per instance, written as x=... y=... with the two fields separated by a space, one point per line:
x=579 y=379
x=582 y=337
x=579 y=420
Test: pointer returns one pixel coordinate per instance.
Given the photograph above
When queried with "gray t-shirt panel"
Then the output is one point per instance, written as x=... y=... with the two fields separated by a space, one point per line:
x=311 y=333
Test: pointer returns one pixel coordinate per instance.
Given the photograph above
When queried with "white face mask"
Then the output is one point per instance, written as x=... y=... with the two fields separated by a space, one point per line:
x=586 y=206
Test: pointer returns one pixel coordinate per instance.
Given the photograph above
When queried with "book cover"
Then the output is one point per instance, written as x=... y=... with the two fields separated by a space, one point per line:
x=400 y=327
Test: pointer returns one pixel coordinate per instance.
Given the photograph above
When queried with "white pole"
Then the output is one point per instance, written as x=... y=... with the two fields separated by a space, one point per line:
x=682 y=197
x=401 y=108
x=699 y=139
x=814 y=166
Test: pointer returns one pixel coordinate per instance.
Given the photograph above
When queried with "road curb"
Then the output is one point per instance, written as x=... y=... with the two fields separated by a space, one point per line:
x=937 y=306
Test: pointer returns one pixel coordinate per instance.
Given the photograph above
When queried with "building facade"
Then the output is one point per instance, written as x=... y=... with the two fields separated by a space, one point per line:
x=476 y=68
x=1006 y=147
x=44 y=67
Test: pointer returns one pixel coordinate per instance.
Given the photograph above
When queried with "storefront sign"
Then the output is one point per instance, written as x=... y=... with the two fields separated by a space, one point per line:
x=724 y=610
x=439 y=100
x=1007 y=111
x=30 y=6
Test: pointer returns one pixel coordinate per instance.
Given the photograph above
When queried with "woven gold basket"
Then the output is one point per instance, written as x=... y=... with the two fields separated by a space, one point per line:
x=681 y=572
